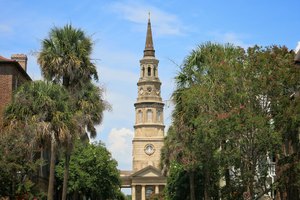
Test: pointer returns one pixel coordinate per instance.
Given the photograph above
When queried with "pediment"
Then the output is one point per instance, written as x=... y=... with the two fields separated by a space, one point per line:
x=148 y=171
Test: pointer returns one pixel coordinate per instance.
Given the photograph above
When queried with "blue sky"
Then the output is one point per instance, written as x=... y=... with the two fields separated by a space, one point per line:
x=118 y=29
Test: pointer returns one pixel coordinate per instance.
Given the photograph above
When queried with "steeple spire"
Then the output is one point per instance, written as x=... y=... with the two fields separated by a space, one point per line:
x=149 y=49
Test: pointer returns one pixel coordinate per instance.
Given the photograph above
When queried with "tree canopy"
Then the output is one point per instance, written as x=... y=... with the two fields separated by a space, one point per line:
x=17 y=163
x=93 y=172
x=65 y=59
x=230 y=116
x=45 y=109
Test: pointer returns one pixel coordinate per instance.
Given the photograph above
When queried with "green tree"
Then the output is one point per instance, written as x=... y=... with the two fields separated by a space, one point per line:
x=17 y=162
x=231 y=111
x=45 y=108
x=277 y=78
x=179 y=179
x=178 y=183
x=93 y=172
x=197 y=101
x=65 y=58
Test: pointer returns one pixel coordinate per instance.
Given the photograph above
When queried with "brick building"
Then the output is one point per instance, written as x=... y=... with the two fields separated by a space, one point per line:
x=12 y=75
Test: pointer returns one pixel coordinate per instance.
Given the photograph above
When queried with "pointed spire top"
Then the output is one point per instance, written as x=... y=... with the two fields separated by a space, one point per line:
x=149 y=49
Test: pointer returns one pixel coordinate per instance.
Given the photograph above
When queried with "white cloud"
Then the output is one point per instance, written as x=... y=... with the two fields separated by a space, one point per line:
x=297 y=47
x=230 y=37
x=165 y=23
x=119 y=144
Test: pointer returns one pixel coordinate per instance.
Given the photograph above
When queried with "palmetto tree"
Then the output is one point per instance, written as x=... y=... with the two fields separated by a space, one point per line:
x=89 y=108
x=65 y=59
x=45 y=107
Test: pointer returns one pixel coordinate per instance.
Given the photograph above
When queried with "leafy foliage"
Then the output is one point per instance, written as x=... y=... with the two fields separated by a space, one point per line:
x=42 y=106
x=65 y=58
x=178 y=182
x=40 y=113
x=17 y=163
x=93 y=172
x=88 y=105
x=231 y=116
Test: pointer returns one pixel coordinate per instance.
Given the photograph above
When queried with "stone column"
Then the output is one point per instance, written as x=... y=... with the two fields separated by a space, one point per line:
x=156 y=189
x=143 y=192
x=133 y=193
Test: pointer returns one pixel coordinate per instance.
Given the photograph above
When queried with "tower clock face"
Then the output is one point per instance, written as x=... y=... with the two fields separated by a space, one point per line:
x=149 y=149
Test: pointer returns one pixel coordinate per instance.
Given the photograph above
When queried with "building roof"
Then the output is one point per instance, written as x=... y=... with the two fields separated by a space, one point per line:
x=15 y=63
x=149 y=168
x=5 y=59
x=149 y=49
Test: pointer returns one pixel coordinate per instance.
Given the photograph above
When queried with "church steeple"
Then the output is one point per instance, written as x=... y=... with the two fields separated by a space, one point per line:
x=149 y=122
x=149 y=49
x=146 y=178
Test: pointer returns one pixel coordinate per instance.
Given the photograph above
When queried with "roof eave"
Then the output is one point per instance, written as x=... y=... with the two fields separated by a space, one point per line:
x=19 y=67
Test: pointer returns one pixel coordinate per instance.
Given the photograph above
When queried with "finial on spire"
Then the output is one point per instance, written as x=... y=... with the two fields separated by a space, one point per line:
x=149 y=49
x=149 y=15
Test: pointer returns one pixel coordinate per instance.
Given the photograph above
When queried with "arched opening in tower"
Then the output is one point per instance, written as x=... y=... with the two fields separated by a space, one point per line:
x=149 y=71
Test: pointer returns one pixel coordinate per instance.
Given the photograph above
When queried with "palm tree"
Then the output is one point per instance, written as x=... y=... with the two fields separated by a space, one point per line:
x=65 y=59
x=45 y=107
x=89 y=106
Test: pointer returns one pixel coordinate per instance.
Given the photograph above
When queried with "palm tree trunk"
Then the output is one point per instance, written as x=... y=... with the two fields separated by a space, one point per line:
x=192 y=185
x=42 y=164
x=52 y=169
x=66 y=175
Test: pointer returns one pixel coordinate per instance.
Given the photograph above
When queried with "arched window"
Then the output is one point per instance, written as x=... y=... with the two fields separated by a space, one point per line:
x=158 y=116
x=140 y=116
x=149 y=115
x=143 y=72
x=149 y=71
x=154 y=71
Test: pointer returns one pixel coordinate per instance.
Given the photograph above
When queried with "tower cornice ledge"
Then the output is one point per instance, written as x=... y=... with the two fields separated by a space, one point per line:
x=150 y=99
x=145 y=81
x=152 y=139
x=142 y=104
x=149 y=125
x=149 y=59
